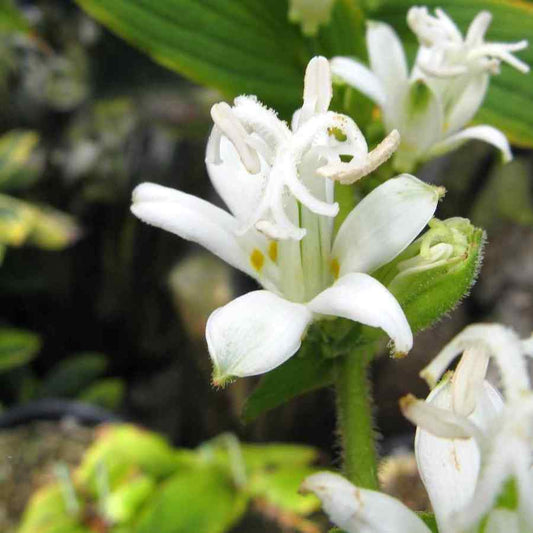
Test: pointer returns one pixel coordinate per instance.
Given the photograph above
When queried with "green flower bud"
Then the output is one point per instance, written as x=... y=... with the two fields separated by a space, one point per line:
x=436 y=271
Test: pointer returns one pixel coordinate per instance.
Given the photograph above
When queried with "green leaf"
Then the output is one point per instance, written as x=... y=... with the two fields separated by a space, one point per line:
x=123 y=450
x=46 y=512
x=279 y=488
x=23 y=223
x=244 y=47
x=17 y=348
x=70 y=375
x=507 y=105
x=304 y=372
x=201 y=499
x=16 y=221
x=20 y=165
x=506 y=196
x=11 y=19
x=106 y=393
x=52 y=229
x=123 y=503
x=271 y=456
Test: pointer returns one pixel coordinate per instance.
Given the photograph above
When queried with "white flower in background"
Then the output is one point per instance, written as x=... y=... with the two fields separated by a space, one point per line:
x=447 y=85
x=280 y=226
x=470 y=442
x=310 y=14
x=357 y=510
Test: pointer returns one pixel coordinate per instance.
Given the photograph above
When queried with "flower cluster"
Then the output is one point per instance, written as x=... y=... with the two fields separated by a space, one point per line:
x=472 y=445
x=278 y=183
x=431 y=105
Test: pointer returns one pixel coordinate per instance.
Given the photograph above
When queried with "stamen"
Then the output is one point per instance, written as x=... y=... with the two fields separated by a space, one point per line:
x=348 y=173
x=467 y=381
x=231 y=127
x=440 y=422
x=317 y=89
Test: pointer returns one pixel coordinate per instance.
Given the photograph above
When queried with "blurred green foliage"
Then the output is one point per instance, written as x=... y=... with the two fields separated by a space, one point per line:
x=131 y=480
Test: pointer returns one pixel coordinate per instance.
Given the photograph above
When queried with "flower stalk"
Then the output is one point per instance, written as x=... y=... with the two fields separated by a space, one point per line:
x=354 y=417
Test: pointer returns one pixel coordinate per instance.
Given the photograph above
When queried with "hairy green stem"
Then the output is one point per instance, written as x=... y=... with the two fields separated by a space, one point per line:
x=354 y=418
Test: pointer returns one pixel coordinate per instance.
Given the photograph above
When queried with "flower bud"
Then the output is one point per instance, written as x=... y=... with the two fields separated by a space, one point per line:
x=436 y=271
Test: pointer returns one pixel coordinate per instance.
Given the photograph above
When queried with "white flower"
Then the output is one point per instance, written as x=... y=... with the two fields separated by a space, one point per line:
x=310 y=14
x=446 y=87
x=469 y=442
x=280 y=230
x=357 y=510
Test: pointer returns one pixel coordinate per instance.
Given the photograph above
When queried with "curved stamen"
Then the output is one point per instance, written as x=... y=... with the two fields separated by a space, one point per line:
x=231 y=127
x=347 y=173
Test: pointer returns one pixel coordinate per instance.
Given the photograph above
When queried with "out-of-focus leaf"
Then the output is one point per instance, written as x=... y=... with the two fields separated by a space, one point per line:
x=11 y=19
x=106 y=393
x=279 y=488
x=53 y=230
x=21 y=223
x=16 y=221
x=72 y=374
x=202 y=499
x=507 y=195
x=507 y=105
x=20 y=165
x=123 y=450
x=47 y=513
x=269 y=456
x=123 y=503
x=17 y=347
x=245 y=47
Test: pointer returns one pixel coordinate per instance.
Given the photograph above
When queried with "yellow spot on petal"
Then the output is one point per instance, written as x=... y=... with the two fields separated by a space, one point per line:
x=257 y=259
x=273 y=251
x=335 y=268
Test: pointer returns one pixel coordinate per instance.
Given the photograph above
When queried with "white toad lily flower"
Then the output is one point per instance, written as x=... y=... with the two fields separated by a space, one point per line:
x=357 y=510
x=447 y=85
x=470 y=443
x=280 y=230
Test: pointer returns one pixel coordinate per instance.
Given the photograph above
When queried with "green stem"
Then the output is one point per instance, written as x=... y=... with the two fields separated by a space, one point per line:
x=354 y=418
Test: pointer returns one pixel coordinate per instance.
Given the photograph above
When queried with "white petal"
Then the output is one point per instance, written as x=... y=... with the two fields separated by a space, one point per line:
x=420 y=119
x=449 y=467
x=466 y=105
x=357 y=510
x=254 y=334
x=484 y=133
x=500 y=342
x=193 y=219
x=360 y=77
x=386 y=55
x=384 y=223
x=240 y=190
x=361 y=298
